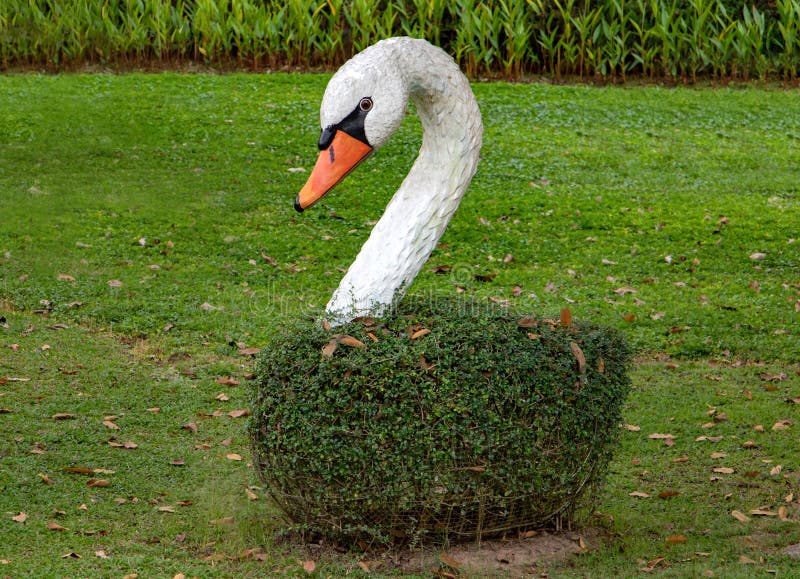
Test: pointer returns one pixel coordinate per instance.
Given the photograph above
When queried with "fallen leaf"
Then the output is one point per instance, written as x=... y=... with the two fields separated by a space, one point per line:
x=740 y=516
x=565 y=319
x=782 y=425
x=110 y=425
x=368 y=566
x=227 y=381
x=527 y=322
x=79 y=470
x=166 y=509
x=639 y=494
x=45 y=479
x=781 y=376
x=309 y=566
x=631 y=427
x=579 y=357
x=249 y=351
x=624 y=290
x=329 y=348
x=250 y=494
x=71 y=555
x=675 y=539
x=783 y=513
x=763 y=513
x=233 y=456
x=718 y=455
x=20 y=518
x=450 y=561
x=98 y=482
x=668 y=494
x=776 y=470
x=190 y=426
x=101 y=554
x=746 y=560
x=114 y=283
x=222 y=397
x=658 y=436
x=63 y=416
x=53 y=526
x=239 y=413
x=420 y=333
x=757 y=256
x=723 y=470
x=351 y=341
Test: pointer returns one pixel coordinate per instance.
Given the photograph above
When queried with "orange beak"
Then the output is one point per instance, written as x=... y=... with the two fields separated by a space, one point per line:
x=333 y=165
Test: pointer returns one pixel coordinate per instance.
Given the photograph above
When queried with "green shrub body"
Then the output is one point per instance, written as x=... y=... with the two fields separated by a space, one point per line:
x=478 y=427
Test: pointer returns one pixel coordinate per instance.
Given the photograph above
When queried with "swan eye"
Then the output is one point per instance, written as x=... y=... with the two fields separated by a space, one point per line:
x=365 y=104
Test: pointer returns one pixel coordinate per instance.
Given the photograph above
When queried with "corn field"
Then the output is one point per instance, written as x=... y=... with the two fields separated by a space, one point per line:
x=591 y=39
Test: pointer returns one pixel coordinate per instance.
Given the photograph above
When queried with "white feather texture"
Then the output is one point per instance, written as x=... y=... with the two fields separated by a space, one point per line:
x=391 y=72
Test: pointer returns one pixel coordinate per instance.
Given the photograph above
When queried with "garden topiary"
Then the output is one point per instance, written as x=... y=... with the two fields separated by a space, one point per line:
x=443 y=421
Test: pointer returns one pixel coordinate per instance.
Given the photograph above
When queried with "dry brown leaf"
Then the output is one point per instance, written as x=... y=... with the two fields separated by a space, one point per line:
x=579 y=357
x=239 y=413
x=190 y=426
x=740 y=516
x=351 y=341
x=46 y=479
x=166 y=509
x=233 y=456
x=110 y=425
x=101 y=554
x=420 y=333
x=250 y=494
x=746 y=560
x=527 y=322
x=53 y=526
x=63 y=416
x=658 y=436
x=788 y=498
x=368 y=566
x=565 y=318
x=309 y=566
x=450 y=561
x=227 y=381
x=723 y=470
x=639 y=494
x=20 y=518
x=675 y=539
x=783 y=513
x=98 y=482
x=79 y=470
x=782 y=425
x=223 y=521
x=776 y=470
x=631 y=427
x=763 y=513
x=718 y=455
x=249 y=351
x=668 y=494
x=71 y=555
x=329 y=348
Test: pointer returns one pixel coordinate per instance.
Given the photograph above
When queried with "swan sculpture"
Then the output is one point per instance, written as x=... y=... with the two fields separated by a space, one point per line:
x=363 y=105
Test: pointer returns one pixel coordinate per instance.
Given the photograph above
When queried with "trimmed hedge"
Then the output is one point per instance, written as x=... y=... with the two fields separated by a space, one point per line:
x=443 y=421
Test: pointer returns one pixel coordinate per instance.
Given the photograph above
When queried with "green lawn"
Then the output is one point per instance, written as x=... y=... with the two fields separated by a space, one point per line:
x=147 y=235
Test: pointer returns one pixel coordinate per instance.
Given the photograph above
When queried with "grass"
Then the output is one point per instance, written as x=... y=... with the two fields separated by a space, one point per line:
x=177 y=190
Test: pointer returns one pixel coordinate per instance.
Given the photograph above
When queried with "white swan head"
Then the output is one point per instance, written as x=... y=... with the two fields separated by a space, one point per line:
x=363 y=105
